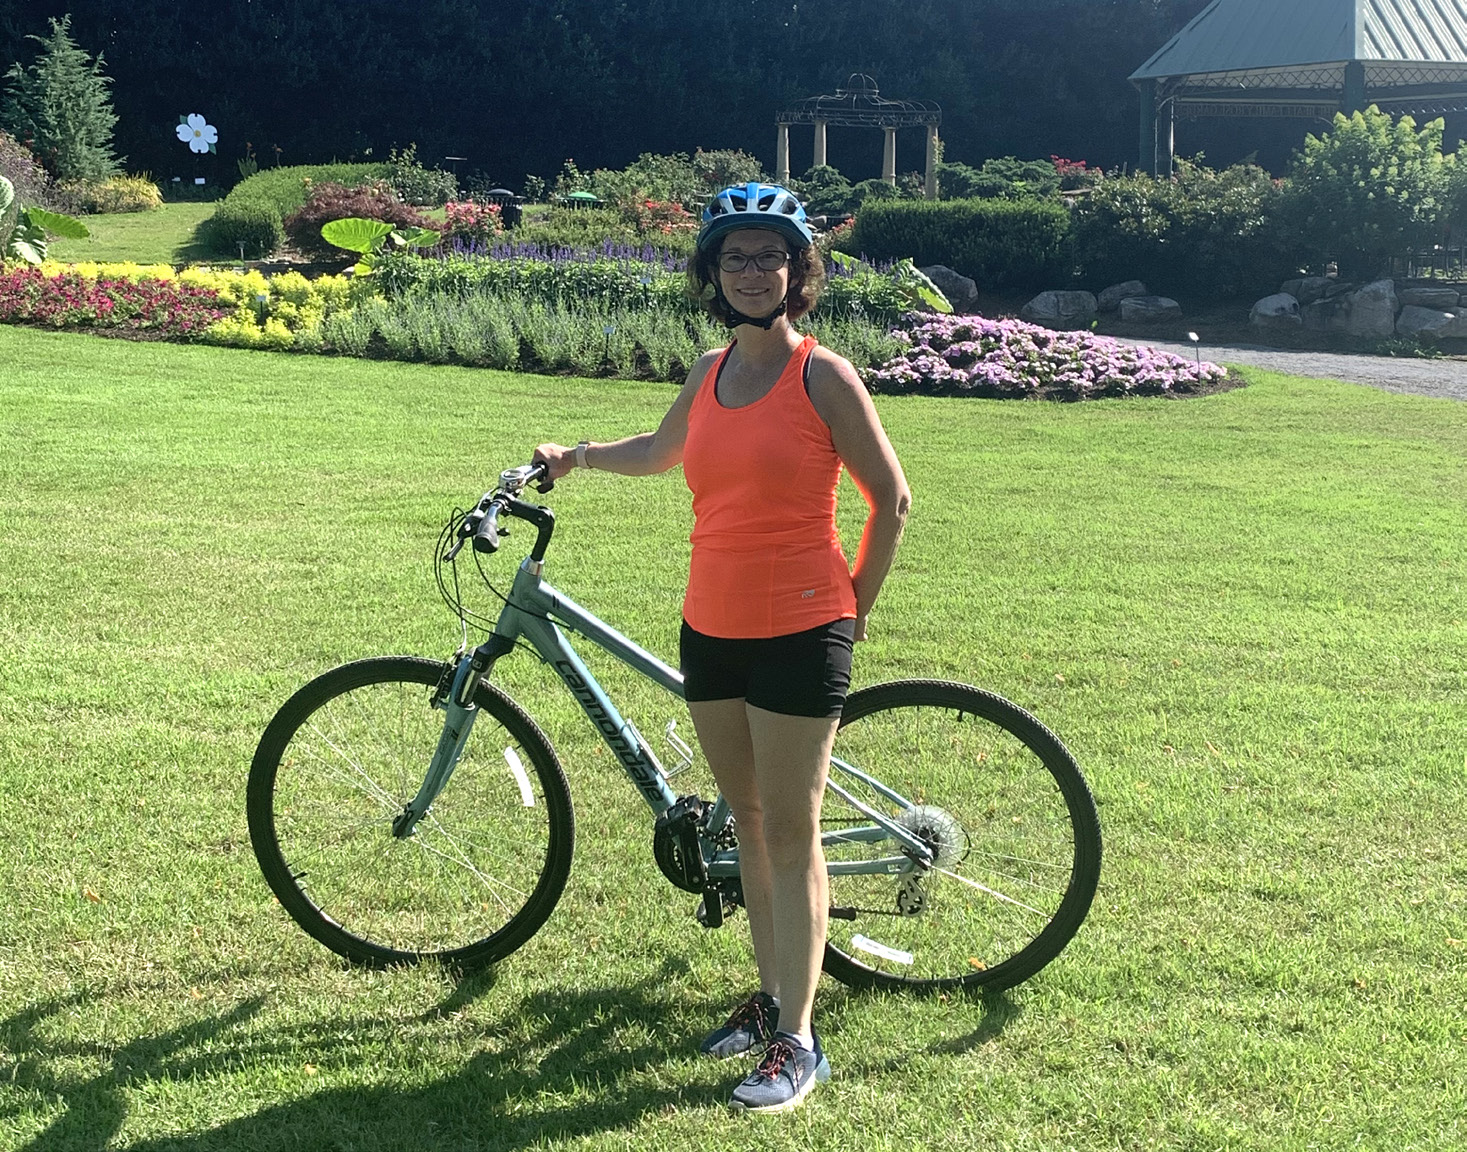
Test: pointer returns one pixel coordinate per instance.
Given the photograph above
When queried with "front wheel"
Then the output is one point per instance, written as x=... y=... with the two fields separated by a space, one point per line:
x=482 y=870
x=1007 y=817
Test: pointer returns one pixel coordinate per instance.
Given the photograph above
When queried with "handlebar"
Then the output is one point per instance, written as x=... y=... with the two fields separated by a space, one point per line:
x=482 y=524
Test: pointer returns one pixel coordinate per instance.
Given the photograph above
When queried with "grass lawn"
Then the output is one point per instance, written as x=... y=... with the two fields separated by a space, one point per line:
x=165 y=236
x=1245 y=614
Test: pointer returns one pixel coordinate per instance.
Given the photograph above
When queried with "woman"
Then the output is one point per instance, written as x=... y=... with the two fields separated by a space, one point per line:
x=762 y=429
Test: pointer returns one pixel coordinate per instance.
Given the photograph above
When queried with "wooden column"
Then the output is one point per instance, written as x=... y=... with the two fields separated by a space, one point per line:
x=1147 y=161
x=819 y=143
x=888 y=158
x=782 y=155
x=929 y=188
x=1166 y=138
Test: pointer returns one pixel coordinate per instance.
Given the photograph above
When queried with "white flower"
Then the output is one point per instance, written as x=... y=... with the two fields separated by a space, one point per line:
x=197 y=133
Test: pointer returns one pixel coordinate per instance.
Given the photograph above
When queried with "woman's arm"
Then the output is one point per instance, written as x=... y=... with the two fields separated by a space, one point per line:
x=647 y=452
x=841 y=400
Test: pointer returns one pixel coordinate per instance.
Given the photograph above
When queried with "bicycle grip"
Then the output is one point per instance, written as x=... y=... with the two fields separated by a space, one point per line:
x=486 y=536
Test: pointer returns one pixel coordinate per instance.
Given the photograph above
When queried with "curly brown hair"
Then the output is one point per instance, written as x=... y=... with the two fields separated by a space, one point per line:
x=807 y=281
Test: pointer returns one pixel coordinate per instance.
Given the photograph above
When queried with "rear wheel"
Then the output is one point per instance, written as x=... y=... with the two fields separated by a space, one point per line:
x=341 y=758
x=1007 y=815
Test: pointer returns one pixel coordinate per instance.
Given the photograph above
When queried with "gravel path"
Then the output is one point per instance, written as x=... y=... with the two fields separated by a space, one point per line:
x=1443 y=378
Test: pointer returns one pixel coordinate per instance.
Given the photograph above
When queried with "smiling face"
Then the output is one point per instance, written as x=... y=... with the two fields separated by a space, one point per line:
x=753 y=291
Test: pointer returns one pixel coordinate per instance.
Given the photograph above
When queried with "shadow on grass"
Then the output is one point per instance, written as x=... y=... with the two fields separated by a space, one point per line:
x=571 y=1074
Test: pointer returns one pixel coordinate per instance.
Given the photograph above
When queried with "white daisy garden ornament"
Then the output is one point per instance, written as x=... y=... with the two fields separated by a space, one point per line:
x=197 y=133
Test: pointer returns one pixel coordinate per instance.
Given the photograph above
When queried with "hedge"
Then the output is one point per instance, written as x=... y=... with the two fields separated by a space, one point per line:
x=253 y=213
x=1002 y=244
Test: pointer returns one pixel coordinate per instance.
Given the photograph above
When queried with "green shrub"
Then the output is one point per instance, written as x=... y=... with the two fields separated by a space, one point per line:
x=1002 y=244
x=115 y=194
x=255 y=224
x=583 y=228
x=1000 y=177
x=417 y=185
x=1201 y=233
x=823 y=191
x=1367 y=190
x=255 y=210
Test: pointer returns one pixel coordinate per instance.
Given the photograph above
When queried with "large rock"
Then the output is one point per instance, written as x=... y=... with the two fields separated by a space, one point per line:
x=1279 y=311
x=1368 y=313
x=1439 y=299
x=961 y=291
x=1149 y=309
x=1371 y=312
x=1417 y=321
x=1306 y=290
x=1060 y=309
x=1110 y=298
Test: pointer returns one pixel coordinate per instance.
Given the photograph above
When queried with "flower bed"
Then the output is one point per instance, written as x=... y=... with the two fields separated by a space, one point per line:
x=71 y=299
x=1009 y=359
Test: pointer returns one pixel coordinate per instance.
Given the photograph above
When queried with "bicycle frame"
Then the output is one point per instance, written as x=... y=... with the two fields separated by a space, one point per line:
x=535 y=611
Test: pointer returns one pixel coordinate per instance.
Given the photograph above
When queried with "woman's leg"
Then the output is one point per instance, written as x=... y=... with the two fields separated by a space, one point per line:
x=723 y=734
x=791 y=756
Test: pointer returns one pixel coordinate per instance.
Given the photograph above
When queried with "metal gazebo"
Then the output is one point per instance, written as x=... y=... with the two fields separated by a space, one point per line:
x=1303 y=58
x=859 y=105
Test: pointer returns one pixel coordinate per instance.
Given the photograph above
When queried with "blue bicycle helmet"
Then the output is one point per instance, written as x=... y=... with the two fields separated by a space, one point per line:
x=755 y=205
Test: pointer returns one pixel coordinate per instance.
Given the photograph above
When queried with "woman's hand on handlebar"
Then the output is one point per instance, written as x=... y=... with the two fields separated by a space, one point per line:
x=558 y=458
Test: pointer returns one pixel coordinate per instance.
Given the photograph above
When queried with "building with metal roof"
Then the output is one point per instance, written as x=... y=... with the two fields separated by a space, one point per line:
x=1303 y=58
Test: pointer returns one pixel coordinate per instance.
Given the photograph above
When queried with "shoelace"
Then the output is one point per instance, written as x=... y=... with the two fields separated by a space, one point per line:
x=776 y=1056
x=751 y=1011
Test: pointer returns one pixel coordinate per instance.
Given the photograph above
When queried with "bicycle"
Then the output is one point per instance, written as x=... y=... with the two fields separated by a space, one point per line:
x=961 y=839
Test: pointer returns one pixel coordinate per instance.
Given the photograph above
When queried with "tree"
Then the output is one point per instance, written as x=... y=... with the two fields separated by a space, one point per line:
x=60 y=105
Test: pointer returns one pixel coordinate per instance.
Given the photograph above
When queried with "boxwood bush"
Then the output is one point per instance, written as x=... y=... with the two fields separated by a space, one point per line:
x=1002 y=244
x=253 y=212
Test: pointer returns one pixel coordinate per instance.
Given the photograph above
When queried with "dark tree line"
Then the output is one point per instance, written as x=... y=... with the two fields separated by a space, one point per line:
x=517 y=86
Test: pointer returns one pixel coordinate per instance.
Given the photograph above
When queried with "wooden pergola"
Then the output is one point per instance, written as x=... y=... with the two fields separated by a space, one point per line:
x=1302 y=58
x=859 y=105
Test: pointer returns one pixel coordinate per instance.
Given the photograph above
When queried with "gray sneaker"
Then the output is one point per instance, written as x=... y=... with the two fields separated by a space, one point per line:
x=783 y=1078
x=751 y=1024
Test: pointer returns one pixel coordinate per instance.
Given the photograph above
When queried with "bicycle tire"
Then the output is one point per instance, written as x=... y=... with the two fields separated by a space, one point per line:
x=1011 y=818
x=485 y=866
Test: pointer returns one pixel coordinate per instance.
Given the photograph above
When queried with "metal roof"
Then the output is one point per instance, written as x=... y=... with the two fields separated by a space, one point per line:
x=1248 y=36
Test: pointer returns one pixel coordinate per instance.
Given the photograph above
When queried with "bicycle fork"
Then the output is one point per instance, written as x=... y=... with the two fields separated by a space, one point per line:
x=460 y=712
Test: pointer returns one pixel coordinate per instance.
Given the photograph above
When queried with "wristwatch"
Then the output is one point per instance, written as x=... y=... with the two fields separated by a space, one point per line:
x=581 y=454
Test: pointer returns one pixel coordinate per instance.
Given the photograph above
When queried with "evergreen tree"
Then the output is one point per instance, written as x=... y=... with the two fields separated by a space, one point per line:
x=61 y=106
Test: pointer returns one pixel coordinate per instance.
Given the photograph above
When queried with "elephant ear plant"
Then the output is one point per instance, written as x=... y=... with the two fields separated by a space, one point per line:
x=914 y=284
x=33 y=225
x=370 y=237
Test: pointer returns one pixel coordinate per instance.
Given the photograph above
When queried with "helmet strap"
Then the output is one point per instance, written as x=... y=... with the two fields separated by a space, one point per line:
x=734 y=317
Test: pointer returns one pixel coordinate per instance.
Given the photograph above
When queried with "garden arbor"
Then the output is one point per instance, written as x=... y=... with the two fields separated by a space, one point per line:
x=1303 y=58
x=859 y=105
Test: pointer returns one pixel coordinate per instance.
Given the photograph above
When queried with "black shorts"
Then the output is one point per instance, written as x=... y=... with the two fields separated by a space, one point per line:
x=802 y=674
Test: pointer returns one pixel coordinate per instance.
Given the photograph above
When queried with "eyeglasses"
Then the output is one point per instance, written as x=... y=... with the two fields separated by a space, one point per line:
x=769 y=261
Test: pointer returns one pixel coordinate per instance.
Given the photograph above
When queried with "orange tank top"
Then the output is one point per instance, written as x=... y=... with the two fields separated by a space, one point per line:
x=767 y=559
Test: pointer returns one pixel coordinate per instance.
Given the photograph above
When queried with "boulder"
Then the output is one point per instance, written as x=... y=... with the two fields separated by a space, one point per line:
x=960 y=290
x=1280 y=310
x=1415 y=320
x=1368 y=313
x=1324 y=315
x=1060 y=309
x=1371 y=312
x=1306 y=290
x=1110 y=298
x=1438 y=299
x=1149 y=309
